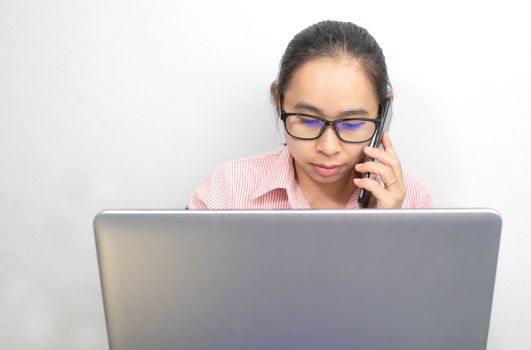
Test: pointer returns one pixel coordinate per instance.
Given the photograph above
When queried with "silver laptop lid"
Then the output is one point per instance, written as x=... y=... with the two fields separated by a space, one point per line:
x=315 y=279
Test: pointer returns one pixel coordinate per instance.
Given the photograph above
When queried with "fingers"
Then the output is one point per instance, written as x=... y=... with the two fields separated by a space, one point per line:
x=380 y=196
x=386 y=156
x=389 y=170
x=383 y=197
x=388 y=145
x=383 y=156
x=372 y=186
x=385 y=173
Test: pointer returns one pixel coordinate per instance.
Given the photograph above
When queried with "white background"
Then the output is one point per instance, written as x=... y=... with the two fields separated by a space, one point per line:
x=130 y=104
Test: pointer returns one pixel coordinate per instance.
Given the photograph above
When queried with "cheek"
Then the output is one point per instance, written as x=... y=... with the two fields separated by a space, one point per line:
x=300 y=150
x=296 y=148
x=355 y=153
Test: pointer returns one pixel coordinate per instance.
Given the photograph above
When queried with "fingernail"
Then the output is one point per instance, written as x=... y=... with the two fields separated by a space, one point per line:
x=356 y=180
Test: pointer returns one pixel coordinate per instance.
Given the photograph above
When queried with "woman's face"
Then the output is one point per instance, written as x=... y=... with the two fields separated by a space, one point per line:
x=332 y=88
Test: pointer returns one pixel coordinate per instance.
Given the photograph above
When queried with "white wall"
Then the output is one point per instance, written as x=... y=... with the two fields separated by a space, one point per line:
x=130 y=104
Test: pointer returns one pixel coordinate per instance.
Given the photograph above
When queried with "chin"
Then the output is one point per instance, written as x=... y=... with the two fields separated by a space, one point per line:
x=329 y=179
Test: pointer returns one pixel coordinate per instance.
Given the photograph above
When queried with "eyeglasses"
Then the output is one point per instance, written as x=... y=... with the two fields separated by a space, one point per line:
x=309 y=127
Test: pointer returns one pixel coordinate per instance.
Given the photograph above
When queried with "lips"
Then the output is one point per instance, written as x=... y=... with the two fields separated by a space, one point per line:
x=326 y=170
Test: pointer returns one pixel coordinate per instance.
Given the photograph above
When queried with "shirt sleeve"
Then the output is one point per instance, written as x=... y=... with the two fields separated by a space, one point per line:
x=418 y=193
x=215 y=192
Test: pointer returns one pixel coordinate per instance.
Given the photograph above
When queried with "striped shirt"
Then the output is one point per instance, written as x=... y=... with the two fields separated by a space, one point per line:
x=267 y=181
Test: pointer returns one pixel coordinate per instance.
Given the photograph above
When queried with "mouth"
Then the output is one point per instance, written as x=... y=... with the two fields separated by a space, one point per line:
x=326 y=170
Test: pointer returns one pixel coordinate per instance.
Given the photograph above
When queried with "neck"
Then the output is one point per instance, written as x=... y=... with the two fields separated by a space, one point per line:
x=319 y=195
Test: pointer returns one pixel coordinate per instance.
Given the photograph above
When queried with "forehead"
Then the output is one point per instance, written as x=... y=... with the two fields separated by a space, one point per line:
x=332 y=84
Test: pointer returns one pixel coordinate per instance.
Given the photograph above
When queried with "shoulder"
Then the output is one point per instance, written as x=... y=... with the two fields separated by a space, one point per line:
x=418 y=192
x=255 y=163
x=232 y=178
x=249 y=172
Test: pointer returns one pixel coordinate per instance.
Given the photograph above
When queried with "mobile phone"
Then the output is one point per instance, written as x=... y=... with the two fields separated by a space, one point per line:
x=385 y=116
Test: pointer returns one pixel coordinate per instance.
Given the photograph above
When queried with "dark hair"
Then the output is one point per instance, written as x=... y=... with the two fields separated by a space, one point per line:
x=334 y=39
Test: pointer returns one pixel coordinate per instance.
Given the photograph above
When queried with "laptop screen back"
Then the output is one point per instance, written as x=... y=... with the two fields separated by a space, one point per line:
x=315 y=279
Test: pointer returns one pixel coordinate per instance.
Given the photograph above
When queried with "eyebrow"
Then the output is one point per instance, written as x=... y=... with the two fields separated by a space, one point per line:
x=309 y=107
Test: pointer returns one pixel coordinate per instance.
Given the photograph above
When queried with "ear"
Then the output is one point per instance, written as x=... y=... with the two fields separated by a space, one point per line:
x=390 y=94
x=274 y=95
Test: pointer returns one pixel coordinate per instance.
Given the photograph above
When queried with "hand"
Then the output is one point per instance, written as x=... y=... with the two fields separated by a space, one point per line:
x=388 y=170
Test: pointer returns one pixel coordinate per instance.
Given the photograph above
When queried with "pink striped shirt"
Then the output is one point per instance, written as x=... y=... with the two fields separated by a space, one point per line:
x=267 y=181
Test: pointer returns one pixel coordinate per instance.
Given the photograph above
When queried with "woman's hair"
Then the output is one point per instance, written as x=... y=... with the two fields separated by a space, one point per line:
x=334 y=39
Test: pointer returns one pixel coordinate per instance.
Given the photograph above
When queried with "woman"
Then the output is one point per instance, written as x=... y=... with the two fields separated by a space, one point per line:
x=335 y=72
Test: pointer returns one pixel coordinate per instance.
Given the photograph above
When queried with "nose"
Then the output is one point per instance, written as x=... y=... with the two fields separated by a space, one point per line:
x=329 y=143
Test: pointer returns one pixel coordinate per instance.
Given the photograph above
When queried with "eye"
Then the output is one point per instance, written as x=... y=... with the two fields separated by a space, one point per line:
x=313 y=123
x=351 y=125
x=309 y=122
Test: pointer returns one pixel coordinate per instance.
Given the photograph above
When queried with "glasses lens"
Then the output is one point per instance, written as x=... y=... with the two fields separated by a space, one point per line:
x=356 y=130
x=303 y=127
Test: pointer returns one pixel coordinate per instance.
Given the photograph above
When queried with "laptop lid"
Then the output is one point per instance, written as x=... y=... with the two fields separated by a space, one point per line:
x=305 y=279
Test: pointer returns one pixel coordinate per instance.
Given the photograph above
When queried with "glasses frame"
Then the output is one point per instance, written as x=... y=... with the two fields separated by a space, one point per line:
x=284 y=116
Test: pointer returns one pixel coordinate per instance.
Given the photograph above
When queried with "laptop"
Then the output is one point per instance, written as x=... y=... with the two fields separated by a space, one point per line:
x=298 y=279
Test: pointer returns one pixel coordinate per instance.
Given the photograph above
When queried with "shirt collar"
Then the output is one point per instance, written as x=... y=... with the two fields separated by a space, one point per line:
x=282 y=176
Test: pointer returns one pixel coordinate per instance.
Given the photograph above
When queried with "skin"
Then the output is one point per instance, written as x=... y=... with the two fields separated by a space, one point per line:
x=336 y=88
